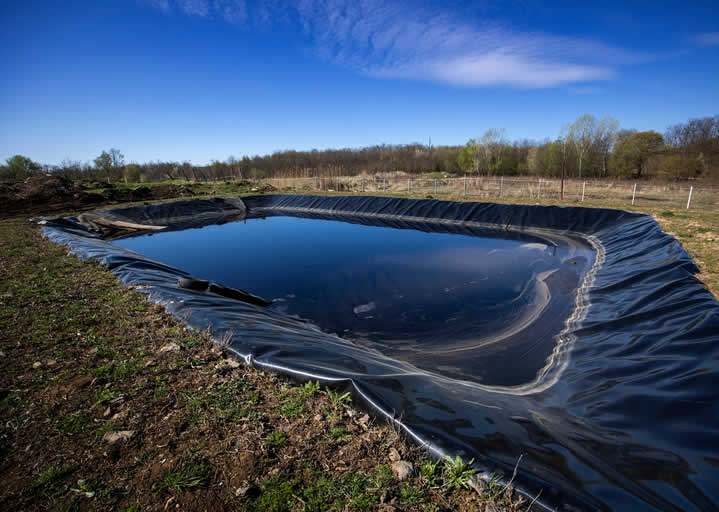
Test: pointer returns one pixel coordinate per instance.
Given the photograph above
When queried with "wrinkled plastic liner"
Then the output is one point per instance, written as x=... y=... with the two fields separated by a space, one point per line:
x=624 y=416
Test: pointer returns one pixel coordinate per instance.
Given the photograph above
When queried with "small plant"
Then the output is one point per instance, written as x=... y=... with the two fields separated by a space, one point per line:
x=409 y=495
x=88 y=488
x=310 y=389
x=383 y=476
x=76 y=423
x=190 y=473
x=667 y=213
x=277 y=439
x=338 y=433
x=494 y=487
x=431 y=472
x=338 y=400
x=48 y=481
x=457 y=473
x=292 y=407
x=104 y=395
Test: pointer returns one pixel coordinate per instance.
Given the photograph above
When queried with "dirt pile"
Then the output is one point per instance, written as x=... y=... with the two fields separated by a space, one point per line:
x=50 y=192
x=47 y=193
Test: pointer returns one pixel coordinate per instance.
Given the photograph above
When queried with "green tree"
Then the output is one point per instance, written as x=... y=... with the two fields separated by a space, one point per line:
x=110 y=161
x=632 y=153
x=20 y=167
x=468 y=159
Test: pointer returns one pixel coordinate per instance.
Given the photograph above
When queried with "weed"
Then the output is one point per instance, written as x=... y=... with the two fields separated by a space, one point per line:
x=457 y=473
x=383 y=476
x=49 y=480
x=104 y=395
x=292 y=407
x=409 y=495
x=277 y=439
x=431 y=472
x=76 y=423
x=338 y=433
x=190 y=473
x=339 y=400
x=88 y=488
x=667 y=213
x=310 y=389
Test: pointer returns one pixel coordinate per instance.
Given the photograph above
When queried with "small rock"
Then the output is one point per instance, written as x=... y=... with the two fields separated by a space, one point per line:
x=50 y=362
x=364 y=421
x=241 y=491
x=394 y=455
x=402 y=469
x=227 y=365
x=150 y=362
x=477 y=484
x=121 y=436
x=37 y=364
x=170 y=347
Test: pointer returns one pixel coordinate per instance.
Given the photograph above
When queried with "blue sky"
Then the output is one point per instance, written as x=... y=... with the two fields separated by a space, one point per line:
x=202 y=79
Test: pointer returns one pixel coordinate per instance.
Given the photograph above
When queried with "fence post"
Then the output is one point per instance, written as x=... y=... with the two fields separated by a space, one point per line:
x=689 y=201
x=465 y=186
x=409 y=185
x=539 y=192
x=501 y=186
x=316 y=184
x=435 y=187
x=634 y=194
x=384 y=184
x=584 y=187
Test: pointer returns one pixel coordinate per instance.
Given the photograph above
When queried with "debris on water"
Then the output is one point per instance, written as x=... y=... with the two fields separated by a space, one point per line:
x=364 y=308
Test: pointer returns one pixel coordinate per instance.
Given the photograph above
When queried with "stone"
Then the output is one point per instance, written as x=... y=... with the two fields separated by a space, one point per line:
x=37 y=364
x=402 y=469
x=170 y=347
x=227 y=365
x=394 y=455
x=121 y=436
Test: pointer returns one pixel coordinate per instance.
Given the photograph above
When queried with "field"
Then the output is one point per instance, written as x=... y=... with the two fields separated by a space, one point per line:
x=108 y=403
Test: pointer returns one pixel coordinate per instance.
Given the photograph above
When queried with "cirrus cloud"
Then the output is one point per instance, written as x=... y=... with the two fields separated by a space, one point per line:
x=397 y=40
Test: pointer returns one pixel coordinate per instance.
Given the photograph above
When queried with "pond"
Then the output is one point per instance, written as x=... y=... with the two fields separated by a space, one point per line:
x=480 y=304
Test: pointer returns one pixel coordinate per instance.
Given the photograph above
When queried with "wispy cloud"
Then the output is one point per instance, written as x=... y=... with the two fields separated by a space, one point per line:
x=401 y=41
x=707 y=39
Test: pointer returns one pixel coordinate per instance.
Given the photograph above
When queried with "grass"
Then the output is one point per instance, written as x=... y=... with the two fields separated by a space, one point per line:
x=189 y=473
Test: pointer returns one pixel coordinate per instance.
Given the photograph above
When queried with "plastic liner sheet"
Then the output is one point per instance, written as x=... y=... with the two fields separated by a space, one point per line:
x=625 y=416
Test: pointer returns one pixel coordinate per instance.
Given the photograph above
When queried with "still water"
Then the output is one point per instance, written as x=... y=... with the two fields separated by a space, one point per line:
x=480 y=305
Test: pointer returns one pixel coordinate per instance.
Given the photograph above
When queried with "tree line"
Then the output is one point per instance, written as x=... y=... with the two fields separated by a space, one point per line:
x=585 y=149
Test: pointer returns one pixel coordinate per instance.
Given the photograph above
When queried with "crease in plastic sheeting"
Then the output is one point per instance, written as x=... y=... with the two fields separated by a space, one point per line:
x=593 y=439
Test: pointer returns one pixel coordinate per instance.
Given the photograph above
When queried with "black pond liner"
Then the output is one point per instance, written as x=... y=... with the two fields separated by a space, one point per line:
x=625 y=416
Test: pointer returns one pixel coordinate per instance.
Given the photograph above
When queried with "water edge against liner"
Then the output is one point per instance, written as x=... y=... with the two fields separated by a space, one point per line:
x=483 y=305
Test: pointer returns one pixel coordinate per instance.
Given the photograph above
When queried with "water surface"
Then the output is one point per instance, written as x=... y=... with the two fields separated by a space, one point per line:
x=482 y=305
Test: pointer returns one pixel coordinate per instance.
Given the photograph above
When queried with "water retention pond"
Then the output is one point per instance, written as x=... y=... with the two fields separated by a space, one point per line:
x=578 y=339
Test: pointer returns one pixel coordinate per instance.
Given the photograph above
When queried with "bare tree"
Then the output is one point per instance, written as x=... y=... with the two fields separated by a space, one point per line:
x=581 y=134
x=604 y=138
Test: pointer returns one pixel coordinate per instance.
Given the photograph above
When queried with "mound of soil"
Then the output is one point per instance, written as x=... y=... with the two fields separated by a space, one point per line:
x=48 y=193
x=44 y=191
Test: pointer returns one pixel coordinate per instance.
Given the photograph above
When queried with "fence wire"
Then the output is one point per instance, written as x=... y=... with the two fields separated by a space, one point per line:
x=616 y=192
